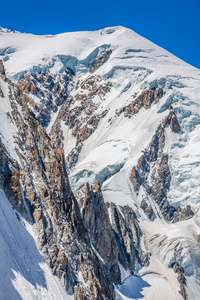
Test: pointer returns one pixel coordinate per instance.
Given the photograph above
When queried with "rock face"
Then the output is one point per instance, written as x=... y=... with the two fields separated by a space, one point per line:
x=114 y=232
x=1 y=93
x=116 y=122
x=100 y=61
x=128 y=235
x=82 y=119
x=82 y=116
x=153 y=173
x=96 y=220
x=2 y=70
x=62 y=237
x=181 y=278
x=146 y=208
x=10 y=180
x=145 y=99
x=46 y=92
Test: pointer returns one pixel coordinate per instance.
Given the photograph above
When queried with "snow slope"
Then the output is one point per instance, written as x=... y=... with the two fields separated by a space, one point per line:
x=8 y=130
x=23 y=272
x=115 y=146
x=23 y=52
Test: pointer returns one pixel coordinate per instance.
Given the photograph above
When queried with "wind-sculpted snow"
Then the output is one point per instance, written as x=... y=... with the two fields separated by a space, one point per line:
x=121 y=111
x=127 y=77
x=84 y=46
x=78 y=180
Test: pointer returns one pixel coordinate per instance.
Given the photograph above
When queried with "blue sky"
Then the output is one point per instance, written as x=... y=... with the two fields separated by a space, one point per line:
x=171 y=24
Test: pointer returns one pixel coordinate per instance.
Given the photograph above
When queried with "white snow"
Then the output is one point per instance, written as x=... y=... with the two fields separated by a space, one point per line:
x=155 y=282
x=135 y=64
x=23 y=272
x=69 y=139
x=8 y=130
x=33 y=52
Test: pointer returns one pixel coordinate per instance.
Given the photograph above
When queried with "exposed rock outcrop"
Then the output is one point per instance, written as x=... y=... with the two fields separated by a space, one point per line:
x=90 y=126
x=181 y=279
x=185 y=213
x=46 y=92
x=153 y=173
x=145 y=99
x=100 y=61
x=2 y=71
x=1 y=93
x=114 y=232
x=92 y=122
x=42 y=183
x=96 y=220
x=127 y=234
x=146 y=208
x=82 y=119
x=10 y=180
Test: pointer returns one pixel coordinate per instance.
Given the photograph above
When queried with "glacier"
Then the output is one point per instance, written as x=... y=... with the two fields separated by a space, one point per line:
x=111 y=145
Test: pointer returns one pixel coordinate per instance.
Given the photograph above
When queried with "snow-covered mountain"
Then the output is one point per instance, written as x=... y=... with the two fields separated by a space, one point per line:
x=121 y=116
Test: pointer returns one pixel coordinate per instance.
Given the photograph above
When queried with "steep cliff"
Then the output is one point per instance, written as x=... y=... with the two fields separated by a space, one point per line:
x=99 y=153
x=37 y=185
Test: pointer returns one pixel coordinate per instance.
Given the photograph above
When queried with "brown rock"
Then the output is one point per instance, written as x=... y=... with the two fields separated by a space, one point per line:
x=96 y=220
x=2 y=70
x=198 y=238
x=37 y=214
x=42 y=176
x=145 y=99
x=133 y=173
x=1 y=93
x=183 y=292
x=100 y=61
x=62 y=260
x=98 y=186
x=186 y=213
x=146 y=208
x=176 y=267
x=174 y=124
x=181 y=278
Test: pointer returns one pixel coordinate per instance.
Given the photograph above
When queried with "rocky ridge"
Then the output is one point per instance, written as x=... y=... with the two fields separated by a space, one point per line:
x=153 y=173
x=114 y=232
x=91 y=115
x=62 y=237
x=46 y=92
x=38 y=187
x=81 y=119
x=145 y=99
x=181 y=278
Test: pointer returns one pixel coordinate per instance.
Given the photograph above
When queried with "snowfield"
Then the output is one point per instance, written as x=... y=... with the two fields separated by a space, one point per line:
x=23 y=272
x=109 y=154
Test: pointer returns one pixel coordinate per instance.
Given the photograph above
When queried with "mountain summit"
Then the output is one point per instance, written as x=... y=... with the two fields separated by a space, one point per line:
x=99 y=158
